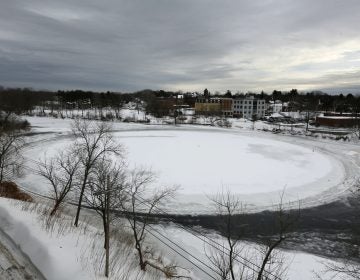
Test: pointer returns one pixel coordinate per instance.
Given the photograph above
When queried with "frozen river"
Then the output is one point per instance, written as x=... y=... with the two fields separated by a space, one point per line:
x=202 y=161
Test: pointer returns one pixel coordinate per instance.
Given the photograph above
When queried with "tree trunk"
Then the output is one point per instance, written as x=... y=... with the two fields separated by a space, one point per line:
x=105 y=228
x=231 y=257
x=107 y=249
x=1 y=175
x=141 y=259
x=231 y=266
x=266 y=259
x=79 y=208
x=55 y=208
x=307 y=121
x=106 y=214
x=79 y=204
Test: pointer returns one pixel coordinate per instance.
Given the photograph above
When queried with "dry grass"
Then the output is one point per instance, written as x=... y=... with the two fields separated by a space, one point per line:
x=11 y=190
x=88 y=236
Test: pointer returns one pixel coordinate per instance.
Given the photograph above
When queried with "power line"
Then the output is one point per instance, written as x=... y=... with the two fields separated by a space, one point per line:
x=206 y=239
x=200 y=261
x=244 y=261
x=181 y=248
x=177 y=252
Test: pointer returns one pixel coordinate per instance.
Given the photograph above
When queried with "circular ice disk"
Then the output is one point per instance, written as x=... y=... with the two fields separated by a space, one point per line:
x=206 y=162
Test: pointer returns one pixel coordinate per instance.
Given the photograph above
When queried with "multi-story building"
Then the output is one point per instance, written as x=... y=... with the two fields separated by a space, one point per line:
x=226 y=105
x=214 y=106
x=248 y=107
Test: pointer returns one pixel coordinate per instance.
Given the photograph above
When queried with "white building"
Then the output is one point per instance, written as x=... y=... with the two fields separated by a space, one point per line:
x=276 y=107
x=248 y=107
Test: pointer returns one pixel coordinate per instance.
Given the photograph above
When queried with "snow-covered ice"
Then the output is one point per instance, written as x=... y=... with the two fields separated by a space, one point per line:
x=203 y=161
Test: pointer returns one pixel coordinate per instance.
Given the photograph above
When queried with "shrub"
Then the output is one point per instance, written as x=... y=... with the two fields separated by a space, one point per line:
x=11 y=190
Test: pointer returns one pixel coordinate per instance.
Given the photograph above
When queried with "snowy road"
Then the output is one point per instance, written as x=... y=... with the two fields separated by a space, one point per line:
x=14 y=264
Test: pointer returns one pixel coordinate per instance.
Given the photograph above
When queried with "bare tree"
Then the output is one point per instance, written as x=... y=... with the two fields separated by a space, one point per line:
x=230 y=258
x=348 y=268
x=94 y=141
x=223 y=258
x=143 y=201
x=61 y=171
x=219 y=260
x=11 y=160
x=106 y=192
x=272 y=264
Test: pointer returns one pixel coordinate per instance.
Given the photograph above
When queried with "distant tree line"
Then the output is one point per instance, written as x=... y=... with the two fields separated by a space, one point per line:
x=159 y=102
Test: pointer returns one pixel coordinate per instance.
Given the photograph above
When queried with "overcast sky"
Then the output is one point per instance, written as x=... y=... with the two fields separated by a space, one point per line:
x=181 y=44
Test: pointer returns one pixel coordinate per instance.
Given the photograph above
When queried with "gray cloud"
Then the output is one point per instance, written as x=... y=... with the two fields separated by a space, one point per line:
x=179 y=44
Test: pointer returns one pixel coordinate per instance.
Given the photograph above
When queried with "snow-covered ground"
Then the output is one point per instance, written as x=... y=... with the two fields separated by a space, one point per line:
x=255 y=165
x=61 y=252
x=298 y=265
x=55 y=255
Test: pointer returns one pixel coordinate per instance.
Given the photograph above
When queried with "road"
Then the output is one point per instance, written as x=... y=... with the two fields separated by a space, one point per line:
x=14 y=264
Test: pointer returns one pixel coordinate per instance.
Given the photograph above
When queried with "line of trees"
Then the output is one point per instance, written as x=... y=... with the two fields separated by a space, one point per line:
x=11 y=146
x=158 y=103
